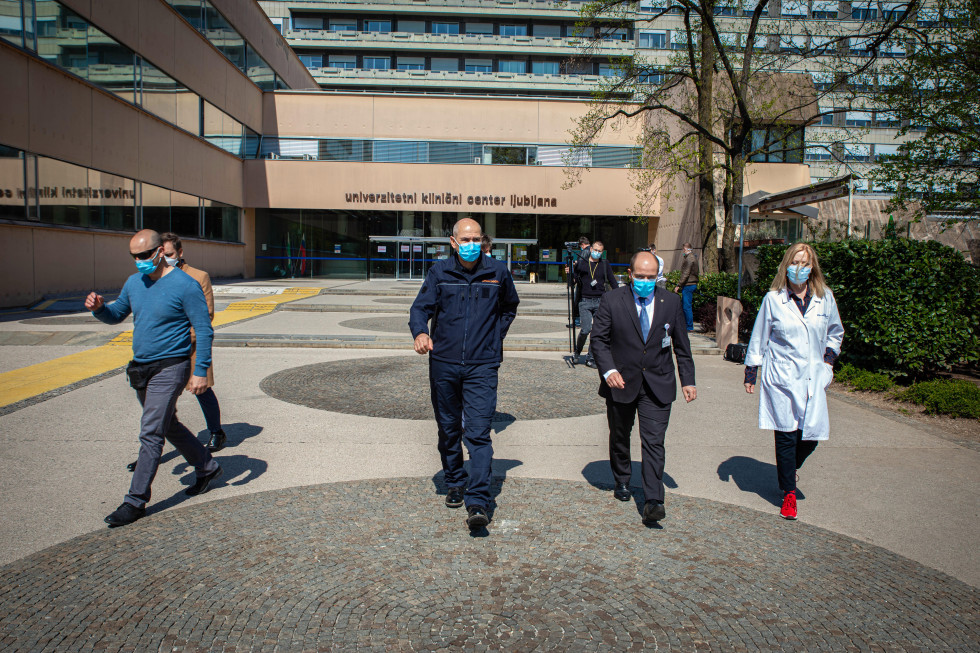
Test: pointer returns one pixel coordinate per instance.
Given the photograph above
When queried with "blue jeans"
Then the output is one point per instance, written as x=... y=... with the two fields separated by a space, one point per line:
x=687 y=292
x=470 y=389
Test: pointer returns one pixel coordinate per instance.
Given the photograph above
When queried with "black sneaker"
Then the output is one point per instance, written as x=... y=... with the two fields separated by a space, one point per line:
x=125 y=514
x=203 y=483
x=454 y=497
x=217 y=441
x=478 y=517
x=590 y=362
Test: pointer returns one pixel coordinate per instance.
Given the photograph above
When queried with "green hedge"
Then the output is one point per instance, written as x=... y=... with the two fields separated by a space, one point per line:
x=953 y=397
x=909 y=308
x=709 y=286
x=860 y=379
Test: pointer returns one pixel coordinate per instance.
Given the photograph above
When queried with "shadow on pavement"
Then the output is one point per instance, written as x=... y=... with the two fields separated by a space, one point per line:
x=232 y=468
x=599 y=475
x=751 y=475
x=237 y=433
x=501 y=421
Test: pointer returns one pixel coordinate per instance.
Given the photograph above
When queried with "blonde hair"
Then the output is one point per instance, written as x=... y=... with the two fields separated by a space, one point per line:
x=818 y=285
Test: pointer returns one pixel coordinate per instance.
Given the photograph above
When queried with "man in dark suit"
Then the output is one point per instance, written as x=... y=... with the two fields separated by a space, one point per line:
x=635 y=329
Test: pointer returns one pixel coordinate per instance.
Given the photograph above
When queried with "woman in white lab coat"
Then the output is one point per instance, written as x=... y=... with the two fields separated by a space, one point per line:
x=795 y=341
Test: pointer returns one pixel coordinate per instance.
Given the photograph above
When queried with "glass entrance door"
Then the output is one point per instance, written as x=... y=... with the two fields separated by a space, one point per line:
x=405 y=258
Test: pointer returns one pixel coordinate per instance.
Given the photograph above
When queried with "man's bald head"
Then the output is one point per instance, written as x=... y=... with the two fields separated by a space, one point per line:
x=144 y=240
x=644 y=263
x=467 y=226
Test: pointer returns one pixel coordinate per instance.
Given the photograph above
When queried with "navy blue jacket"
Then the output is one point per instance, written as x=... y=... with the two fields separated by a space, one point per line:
x=471 y=311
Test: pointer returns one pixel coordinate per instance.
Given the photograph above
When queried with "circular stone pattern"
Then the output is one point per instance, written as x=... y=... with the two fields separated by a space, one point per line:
x=383 y=565
x=520 y=326
x=397 y=387
x=410 y=300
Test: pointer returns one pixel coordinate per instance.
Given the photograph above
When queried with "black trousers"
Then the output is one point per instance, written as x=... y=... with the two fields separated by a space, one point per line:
x=654 y=417
x=791 y=451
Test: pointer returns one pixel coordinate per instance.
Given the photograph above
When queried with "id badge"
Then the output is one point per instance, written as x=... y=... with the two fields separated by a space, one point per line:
x=594 y=282
x=665 y=343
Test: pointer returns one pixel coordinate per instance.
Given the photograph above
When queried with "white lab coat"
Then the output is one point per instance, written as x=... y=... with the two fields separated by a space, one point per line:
x=789 y=348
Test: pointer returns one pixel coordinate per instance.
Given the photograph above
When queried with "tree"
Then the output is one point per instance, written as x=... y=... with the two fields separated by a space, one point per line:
x=730 y=93
x=935 y=93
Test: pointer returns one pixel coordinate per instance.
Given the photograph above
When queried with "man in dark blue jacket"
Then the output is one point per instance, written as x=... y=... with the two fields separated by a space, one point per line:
x=471 y=301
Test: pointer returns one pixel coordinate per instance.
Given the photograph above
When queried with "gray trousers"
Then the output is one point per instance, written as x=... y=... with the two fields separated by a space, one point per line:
x=159 y=421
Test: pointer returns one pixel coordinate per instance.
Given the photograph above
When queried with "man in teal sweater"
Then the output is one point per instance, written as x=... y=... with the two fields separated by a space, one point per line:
x=165 y=303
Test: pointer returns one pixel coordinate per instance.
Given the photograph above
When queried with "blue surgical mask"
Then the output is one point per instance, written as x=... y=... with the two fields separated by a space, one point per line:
x=147 y=266
x=172 y=262
x=596 y=255
x=469 y=252
x=798 y=274
x=643 y=287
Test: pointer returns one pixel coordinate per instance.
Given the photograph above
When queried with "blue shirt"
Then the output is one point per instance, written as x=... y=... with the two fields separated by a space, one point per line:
x=163 y=313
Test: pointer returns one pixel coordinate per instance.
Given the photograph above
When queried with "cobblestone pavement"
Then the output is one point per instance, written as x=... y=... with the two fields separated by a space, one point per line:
x=389 y=387
x=520 y=326
x=383 y=565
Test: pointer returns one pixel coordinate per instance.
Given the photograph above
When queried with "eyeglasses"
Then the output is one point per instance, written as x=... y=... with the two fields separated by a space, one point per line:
x=142 y=256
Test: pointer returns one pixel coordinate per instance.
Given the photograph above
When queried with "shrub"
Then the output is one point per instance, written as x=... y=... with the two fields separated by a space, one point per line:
x=863 y=380
x=953 y=397
x=909 y=308
x=707 y=316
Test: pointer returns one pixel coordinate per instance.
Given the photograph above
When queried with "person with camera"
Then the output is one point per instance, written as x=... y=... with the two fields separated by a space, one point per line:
x=592 y=275
x=166 y=303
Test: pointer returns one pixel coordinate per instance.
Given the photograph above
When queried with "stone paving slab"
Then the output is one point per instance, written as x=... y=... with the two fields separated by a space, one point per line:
x=383 y=565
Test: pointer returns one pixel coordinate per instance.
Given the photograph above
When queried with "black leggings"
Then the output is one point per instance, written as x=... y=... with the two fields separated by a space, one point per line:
x=791 y=451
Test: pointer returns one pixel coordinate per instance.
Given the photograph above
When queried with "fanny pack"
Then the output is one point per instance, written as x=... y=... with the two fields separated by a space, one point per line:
x=140 y=373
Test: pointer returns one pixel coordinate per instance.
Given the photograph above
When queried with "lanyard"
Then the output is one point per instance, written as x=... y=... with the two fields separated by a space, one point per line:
x=593 y=269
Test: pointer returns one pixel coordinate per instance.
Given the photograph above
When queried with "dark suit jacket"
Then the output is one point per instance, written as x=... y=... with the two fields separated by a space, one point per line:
x=618 y=345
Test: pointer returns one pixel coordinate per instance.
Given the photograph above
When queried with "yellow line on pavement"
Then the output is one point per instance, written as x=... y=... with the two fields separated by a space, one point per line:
x=26 y=382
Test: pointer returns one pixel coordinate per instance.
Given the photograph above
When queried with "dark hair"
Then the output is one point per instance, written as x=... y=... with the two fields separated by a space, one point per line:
x=171 y=237
x=688 y=245
x=598 y=242
x=653 y=247
x=584 y=240
x=486 y=242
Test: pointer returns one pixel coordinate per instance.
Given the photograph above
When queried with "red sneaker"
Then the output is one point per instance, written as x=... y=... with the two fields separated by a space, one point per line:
x=788 y=510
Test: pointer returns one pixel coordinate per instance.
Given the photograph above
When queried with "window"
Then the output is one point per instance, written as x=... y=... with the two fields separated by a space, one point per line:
x=510 y=155
x=793 y=44
x=860 y=47
x=479 y=28
x=380 y=26
x=885 y=151
x=445 y=28
x=512 y=66
x=887 y=119
x=653 y=40
x=823 y=44
x=412 y=26
x=818 y=153
x=794 y=8
x=547 y=31
x=277 y=23
x=343 y=25
x=513 y=30
x=864 y=10
x=892 y=11
x=857 y=152
x=892 y=49
x=654 y=78
x=678 y=39
x=857 y=119
x=411 y=63
x=824 y=81
x=725 y=9
x=301 y=22
x=311 y=61
x=479 y=66
x=825 y=9
x=609 y=70
x=544 y=67
x=376 y=63
x=776 y=145
x=445 y=65
x=346 y=61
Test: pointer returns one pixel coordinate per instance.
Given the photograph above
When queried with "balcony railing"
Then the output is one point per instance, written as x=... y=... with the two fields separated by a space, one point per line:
x=451 y=42
x=341 y=77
